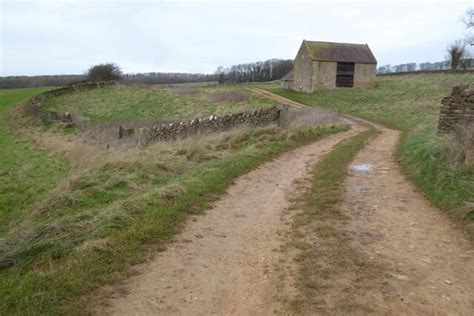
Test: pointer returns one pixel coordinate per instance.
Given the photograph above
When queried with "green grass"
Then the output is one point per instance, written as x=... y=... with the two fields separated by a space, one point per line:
x=124 y=103
x=323 y=253
x=402 y=102
x=107 y=215
x=26 y=172
x=411 y=104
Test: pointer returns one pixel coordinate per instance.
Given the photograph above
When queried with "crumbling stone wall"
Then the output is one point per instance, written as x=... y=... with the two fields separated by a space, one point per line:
x=207 y=125
x=457 y=109
x=34 y=107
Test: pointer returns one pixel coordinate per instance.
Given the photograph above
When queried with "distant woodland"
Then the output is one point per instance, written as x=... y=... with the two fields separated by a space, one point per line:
x=261 y=71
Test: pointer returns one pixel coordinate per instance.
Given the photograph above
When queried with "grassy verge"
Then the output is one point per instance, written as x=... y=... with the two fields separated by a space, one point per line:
x=26 y=172
x=411 y=104
x=108 y=215
x=322 y=252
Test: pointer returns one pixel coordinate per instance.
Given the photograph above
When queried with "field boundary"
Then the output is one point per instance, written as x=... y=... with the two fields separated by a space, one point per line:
x=211 y=124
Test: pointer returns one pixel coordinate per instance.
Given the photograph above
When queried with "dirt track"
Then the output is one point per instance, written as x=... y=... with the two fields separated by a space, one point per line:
x=427 y=264
x=223 y=261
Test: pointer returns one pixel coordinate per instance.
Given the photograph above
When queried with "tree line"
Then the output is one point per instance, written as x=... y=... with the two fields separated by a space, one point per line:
x=466 y=63
x=166 y=78
x=39 y=81
x=441 y=65
x=268 y=70
x=260 y=71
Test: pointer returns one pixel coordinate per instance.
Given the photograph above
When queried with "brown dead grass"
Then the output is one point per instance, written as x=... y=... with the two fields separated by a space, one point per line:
x=308 y=116
x=460 y=149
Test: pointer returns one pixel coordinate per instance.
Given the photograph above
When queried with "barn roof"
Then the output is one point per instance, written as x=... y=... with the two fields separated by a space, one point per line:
x=343 y=52
x=289 y=76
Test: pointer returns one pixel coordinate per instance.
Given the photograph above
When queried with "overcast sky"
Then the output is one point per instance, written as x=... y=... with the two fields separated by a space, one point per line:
x=68 y=36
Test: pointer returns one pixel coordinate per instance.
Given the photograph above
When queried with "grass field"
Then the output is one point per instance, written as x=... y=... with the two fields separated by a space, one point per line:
x=88 y=213
x=124 y=103
x=26 y=173
x=411 y=104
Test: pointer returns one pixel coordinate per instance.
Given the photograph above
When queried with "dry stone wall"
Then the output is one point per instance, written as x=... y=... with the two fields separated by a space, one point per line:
x=457 y=109
x=206 y=125
x=34 y=107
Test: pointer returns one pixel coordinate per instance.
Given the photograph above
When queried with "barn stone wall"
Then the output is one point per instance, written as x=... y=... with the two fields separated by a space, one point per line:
x=208 y=125
x=310 y=76
x=33 y=106
x=364 y=75
x=326 y=75
x=457 y=109
x=303 y=71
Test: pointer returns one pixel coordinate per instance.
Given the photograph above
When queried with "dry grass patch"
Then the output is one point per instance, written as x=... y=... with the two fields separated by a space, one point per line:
x=460 y=146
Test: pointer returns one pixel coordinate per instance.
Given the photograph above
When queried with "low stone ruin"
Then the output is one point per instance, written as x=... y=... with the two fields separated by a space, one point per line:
x=207 y=125
x=457 y=109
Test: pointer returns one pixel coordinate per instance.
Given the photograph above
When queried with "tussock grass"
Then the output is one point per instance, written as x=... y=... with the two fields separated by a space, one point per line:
x=116 y=204
x=460 y=146
x=426 y=159
x=411 y=103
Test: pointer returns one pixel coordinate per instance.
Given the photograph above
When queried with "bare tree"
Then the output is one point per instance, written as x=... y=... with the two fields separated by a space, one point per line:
x=104 y=72
x=456 y=52
x=384 y=69
x=468 y=18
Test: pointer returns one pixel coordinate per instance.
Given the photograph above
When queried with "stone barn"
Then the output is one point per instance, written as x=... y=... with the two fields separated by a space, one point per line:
x=326 y=65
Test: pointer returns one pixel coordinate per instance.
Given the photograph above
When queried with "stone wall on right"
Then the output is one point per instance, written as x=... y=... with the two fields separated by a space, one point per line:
x=457 y=109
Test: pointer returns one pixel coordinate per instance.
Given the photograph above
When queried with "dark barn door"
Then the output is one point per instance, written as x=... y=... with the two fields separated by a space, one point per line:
x=345 y=75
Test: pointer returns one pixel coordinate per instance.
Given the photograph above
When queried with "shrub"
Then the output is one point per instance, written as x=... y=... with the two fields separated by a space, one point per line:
x=104 y=72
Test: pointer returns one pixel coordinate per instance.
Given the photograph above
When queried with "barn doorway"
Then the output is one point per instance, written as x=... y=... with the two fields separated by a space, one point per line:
x=345 y=75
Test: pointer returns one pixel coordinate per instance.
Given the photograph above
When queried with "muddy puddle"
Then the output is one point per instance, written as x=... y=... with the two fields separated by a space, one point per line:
x=362 y=167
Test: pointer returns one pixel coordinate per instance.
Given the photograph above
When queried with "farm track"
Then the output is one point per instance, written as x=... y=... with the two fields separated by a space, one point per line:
x=278 y=98
x=426 y=264
x=223 y=263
